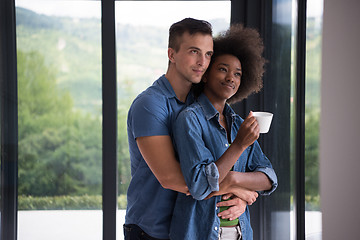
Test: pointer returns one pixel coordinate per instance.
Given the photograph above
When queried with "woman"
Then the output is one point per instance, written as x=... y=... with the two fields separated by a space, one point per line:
x=217 y=149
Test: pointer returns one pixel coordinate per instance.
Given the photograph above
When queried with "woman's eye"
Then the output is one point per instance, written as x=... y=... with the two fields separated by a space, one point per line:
x=222 y=69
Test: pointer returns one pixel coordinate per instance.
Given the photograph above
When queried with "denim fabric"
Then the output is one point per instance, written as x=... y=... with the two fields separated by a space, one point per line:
x=201 y=140
x=134 y=232
x=152 y=113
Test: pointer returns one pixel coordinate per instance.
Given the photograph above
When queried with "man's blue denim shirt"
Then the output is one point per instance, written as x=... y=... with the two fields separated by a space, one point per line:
x=152 y=113
x=201 y=140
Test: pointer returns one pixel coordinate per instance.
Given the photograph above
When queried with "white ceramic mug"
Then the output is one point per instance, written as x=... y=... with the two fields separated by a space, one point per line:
x=264 y=120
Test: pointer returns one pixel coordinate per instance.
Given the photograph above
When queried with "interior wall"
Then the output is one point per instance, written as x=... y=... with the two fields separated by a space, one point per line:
x=340 y=120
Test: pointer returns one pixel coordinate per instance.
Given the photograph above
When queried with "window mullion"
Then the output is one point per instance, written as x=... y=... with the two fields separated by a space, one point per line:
x=109 y=97
x=9 y=120
x=300 y=121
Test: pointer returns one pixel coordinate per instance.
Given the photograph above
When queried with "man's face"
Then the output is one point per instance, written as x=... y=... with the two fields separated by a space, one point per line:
x=193 y=57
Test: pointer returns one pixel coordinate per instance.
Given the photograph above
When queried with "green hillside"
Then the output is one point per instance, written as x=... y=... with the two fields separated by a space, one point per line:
x=60 y=97
x=72 y=47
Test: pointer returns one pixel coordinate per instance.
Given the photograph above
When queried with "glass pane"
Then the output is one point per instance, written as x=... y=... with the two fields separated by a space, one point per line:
x=59 y=109
x=141 y=40
x=280 y=71
x=313 y=225
x=293 y=118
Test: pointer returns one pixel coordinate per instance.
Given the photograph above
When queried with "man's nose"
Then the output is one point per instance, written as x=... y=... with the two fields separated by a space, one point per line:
x=201 y=60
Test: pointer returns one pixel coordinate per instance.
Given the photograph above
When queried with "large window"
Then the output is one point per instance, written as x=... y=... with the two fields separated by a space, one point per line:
x=313 y=227
x=58 y=172
x=59 y=76
x=59 y=120
x=305 y=110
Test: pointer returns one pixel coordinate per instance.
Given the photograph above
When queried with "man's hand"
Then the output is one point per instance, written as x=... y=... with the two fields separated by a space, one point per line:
x=236 y=206
x=245 y=194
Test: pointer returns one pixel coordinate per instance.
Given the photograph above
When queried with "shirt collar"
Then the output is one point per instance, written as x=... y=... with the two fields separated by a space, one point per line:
x=166 y=87
x=169 y=92
x=209 y=109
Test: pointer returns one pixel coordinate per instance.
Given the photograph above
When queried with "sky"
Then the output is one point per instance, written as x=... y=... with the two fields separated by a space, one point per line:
x=158 y=13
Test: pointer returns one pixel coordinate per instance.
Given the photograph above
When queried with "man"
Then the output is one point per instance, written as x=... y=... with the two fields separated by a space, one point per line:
x=154 y=168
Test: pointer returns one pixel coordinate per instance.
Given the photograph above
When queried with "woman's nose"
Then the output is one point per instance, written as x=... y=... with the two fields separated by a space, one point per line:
x=229 y=78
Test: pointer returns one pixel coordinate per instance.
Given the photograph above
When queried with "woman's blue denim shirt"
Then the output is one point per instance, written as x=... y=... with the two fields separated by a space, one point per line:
x=200 y=140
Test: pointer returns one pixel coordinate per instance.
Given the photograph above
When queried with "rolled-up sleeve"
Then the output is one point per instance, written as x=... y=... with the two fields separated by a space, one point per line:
x=270 y=173
x=212 y=174
x=258 y=162
x=197 y=163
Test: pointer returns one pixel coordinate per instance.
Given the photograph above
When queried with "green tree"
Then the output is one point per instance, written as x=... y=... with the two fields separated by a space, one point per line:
x=312 y=153
x=59 y=147
x=312 y=113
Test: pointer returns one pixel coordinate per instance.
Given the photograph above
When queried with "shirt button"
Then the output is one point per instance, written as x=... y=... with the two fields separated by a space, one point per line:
x=216 y=228
x=226 y=145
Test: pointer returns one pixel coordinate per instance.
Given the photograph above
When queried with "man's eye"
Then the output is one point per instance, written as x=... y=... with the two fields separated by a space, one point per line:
x=194 y=51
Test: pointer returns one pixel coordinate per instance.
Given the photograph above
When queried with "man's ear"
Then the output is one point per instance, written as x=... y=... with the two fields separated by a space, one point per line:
x=171 y=53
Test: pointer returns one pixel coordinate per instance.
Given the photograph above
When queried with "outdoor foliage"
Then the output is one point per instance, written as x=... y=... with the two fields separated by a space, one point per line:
x=60 y=128
x=60 y=101
x=59 y=147
x=312 y=114
x=93 y=202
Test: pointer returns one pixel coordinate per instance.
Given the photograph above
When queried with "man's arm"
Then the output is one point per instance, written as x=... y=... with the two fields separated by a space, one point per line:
x=159 y=154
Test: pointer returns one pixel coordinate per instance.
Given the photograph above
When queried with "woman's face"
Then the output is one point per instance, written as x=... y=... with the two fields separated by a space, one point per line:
x=223 y=79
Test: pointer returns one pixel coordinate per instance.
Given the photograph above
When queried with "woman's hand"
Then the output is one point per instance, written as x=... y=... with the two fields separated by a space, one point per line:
x=248 y=133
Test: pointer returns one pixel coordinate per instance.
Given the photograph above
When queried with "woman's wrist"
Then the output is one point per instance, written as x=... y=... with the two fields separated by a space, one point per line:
x=238 y=146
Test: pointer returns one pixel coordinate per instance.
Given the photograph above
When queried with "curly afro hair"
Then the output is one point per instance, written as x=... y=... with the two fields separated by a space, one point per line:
x=247 y=45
